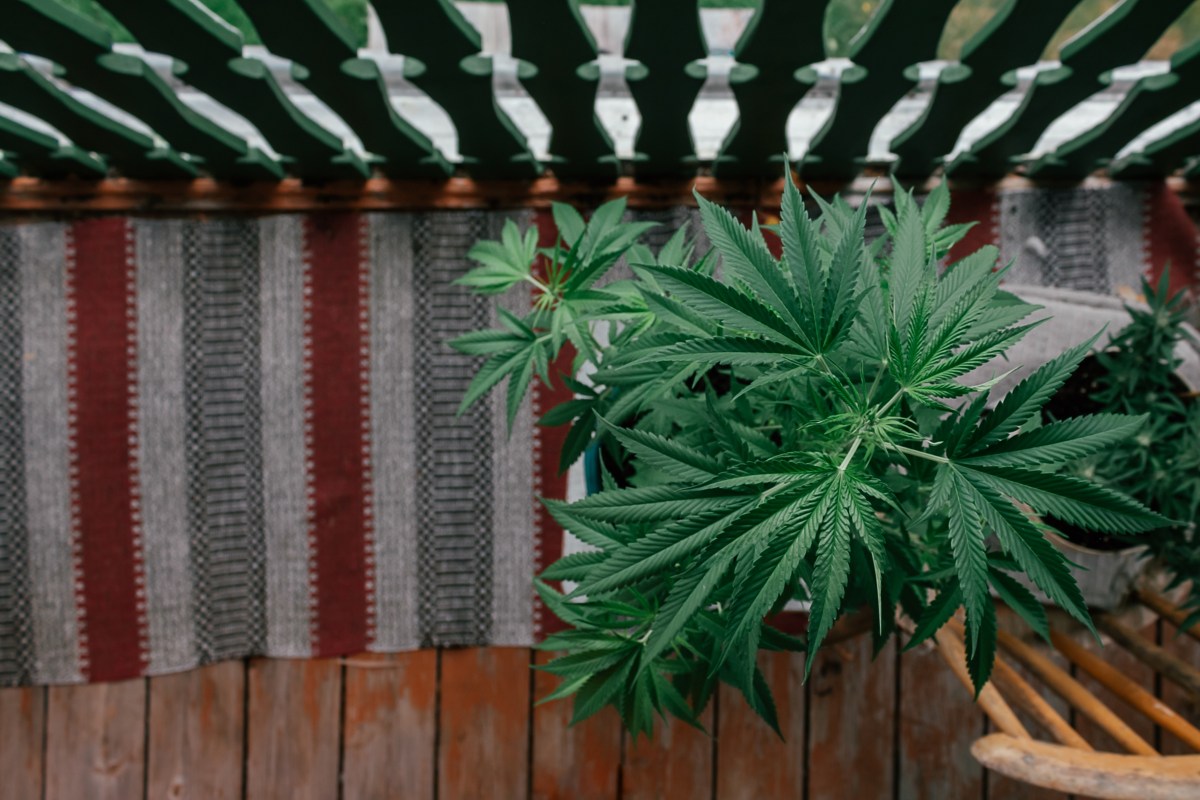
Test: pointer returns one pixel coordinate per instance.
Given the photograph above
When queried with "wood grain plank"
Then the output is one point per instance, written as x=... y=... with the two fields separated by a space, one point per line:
x=938 y=722
x=22 y=733
x=1185 y=703
x=292 y=728
x=1133 y=669
x=676 y=763
x=851 y=719
x=390 y=725
x=196 y=735
x=484 y=723
x=579 y=762
x=752 y=762
x=96 y=741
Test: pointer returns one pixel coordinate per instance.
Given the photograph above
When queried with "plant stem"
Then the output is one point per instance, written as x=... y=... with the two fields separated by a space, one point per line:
x=887 y=406
x=919 y=454
x=850 y=454
x=545 y=289
x=875 y=383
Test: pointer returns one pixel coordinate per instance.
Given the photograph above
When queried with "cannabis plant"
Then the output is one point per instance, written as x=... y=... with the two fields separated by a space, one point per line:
x=1160 y=465
x=786 y=428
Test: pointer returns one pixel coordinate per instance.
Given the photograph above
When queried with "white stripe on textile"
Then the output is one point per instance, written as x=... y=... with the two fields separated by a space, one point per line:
x=47 y=484
x=393 y=442
x=288 y=601
x=512 y=515
x=162 y=445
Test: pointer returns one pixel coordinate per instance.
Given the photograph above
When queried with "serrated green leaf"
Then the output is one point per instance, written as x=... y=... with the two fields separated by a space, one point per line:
x=1069 y=498
x=975 y=354
x=1022 y=540
x=910 y=263
x=935 y=208
x=489 y=342
x=601 y=689
x=797 y=527
x=674 y=702
x=830 y=576
x=937 y=614
x=564 y=690
x=1027 y=398
x=735 y=350
x=583 y=663
x=494 y=370
x=747 y=259
x=1057 y=442
x=598 y=534
x=981 y=629
x=800 y=252
x=569 y=222
x=654 y=504
x=573 y=567
x=1021 y=600
x=675 y=459
x=970 y=555
x=734 y=309
x=577 y=440
x=659 y=550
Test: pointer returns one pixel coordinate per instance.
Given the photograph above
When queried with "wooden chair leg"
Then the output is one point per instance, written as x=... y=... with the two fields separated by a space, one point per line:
x=1170 y=667
x=1076 y=694
x=1168 y=611
x=1116 y=682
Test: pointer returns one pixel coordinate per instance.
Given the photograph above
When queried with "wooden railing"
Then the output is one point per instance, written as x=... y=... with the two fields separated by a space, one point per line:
x=778 y=58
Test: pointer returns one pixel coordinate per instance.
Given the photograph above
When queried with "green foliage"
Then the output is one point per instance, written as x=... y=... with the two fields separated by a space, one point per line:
x=787 y=428
x=1160 y=465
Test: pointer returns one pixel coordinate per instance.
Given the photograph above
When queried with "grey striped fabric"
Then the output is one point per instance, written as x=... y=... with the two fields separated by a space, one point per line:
x=220 y=447
x=16 y=621
x=453 y=453
x=222 y=379
x=282 y=392
x=1085 y=238
x=162 y=455
x=43 y=295
x=393 y=432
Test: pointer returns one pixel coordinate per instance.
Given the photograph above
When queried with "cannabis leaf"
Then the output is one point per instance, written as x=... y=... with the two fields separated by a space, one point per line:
x=801 y=427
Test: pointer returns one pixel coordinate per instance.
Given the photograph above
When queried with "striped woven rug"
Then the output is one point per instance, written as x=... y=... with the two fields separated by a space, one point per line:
x=233 y=436
x=237 y=436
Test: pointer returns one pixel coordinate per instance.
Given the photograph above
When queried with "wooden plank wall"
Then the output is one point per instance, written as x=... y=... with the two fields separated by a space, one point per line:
x=462 y=724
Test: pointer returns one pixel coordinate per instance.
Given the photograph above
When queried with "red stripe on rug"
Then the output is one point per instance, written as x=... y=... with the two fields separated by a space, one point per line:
x=547 y=446
x=102 y=385
x=1170 y=238
x=978 y=206
x=337 y=420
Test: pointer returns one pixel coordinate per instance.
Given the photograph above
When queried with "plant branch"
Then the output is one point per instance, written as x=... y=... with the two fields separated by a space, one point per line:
x=918 y=453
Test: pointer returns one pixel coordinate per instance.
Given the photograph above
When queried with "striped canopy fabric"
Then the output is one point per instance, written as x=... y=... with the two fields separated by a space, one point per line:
x=234 y=436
